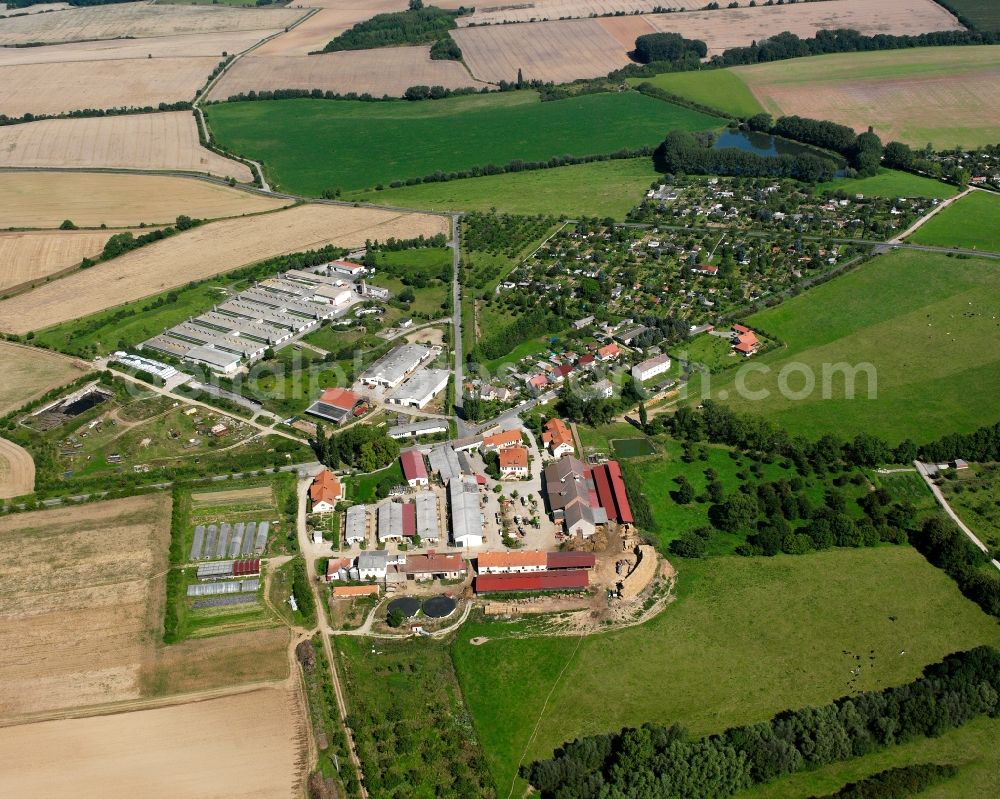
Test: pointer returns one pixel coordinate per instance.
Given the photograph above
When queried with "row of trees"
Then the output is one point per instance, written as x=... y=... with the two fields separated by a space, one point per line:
x=683 y=152
x=182 y=105
x=895 y=783
x=417 y=25
x=863 y=150
x=668 y=47
x=663 y=762
x=121 y=243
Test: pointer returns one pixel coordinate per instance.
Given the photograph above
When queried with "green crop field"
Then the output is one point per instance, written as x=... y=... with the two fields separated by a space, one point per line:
x=310 y=146
x=921 y=322
x=972 y=222
x=602 y=188
x=984 y=14
x=747 y=638
x=890 y=183
x=973 y=749
x=715 y=88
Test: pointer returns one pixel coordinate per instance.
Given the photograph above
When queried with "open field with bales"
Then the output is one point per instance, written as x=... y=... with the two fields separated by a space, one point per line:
x=913 y=325
x=388 y=70
x=246 y=746
x=27 y=257
x=70 y=86
x=17 y=470
x=91 y=199
x=310 y=146
x=602 y=189
x=746 y=638
x=141 y=141
x=205 y=251
x=972 y=223
x=83 y=596
x=30 y=373
x=139 y=20
x=949 y=96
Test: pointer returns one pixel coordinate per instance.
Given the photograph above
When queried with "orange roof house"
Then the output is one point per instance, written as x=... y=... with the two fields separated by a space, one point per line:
x=325 y=492
x=514 y=461
x=504 y=440
x=511 y=561
x=558 y=437
x=609 y=352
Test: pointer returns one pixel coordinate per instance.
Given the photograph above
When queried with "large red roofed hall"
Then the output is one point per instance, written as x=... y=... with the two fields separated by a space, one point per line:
x=611 y=491
x=565 y=580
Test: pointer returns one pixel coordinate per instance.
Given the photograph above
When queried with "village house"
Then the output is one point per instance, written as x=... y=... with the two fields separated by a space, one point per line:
x=557 y=438
x=647 y=370
x=609 y=352
x=325 y=492
x=514 y=463
x=502 y=441
x=511 y=562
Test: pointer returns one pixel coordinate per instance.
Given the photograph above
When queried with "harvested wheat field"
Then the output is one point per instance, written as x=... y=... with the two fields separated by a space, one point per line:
x=246 y=746
x=28 y=373
x=206 y=251
x=82 y=593
x=63 y=87
x=26 y=257
x=138 y=20
x=90 y=199
x=166 y=141
x=549 y=51
x=949 y=96
x=541 y=10
x=17 y=470
x=326 y=24
x=185 y=45
x=35 y=9
x=389 y=70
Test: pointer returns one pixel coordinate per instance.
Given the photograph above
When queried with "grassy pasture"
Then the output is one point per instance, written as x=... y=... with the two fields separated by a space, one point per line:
x=921 y=320
x=890 y=183
x=984 y=14
x=974 y=495
x=972 y=222
x=746 y=639
x=602 y=188
x=310 y=146
x=715 y=88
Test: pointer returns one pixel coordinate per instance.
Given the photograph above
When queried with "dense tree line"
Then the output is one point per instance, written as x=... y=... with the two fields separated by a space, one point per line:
x=663 y=762
x=78 y=3
x=683 y=152
x=121 y=243
x=182 y=105
x=668 y=47
x=948 y=548
x=864 y=150
x=416 y=25
x=362 y=446
x=895 y=783
x=446 y=49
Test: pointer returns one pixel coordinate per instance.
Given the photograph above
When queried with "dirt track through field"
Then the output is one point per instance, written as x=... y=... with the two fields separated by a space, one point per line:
x=91 y=199
x=28 y=373
x=166 y=141
x=139 y=20
x=17 y=470
x=206 y=251
x=26 y=257
x=246 y=746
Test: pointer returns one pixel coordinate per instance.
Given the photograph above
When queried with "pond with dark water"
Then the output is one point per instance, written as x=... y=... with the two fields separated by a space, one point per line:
x=767 y=145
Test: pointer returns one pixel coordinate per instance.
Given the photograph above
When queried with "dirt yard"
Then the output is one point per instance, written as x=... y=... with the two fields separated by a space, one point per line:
x=138 y=20
x=17 y=470
x=946 y=95
x=141 y=141
x=82 y=592
x=206 y=251
x=25 y=257
x=389 y=70
x=91 y=199
x=247 y=746
x=28 y=373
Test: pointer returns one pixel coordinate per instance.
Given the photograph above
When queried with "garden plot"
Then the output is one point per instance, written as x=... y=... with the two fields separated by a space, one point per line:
x=141 y=141
x=204 y=252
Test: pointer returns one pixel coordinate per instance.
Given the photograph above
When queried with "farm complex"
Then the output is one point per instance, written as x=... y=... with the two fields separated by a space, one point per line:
x=551 y=399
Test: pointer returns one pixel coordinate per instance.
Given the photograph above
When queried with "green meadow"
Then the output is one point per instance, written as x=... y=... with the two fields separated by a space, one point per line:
x=601 y=189
x=972 y=223
x=917 y=328
x=715 y=88
x=311 y=146
x=747 y=638
x=890 y=183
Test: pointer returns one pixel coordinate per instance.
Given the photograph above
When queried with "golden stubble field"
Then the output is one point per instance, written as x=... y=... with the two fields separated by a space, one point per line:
x=91 y=199
x=139 y=20
x=167 y=141
x=17 y=470
x=567 y=49
x=26 y=257
x=205 y=251
x=28 y=373
x=245 y=746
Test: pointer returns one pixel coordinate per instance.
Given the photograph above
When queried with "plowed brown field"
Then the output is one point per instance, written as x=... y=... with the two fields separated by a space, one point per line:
x=90 y=199
x=141 y=141
x=206 y=251
x=25 y=257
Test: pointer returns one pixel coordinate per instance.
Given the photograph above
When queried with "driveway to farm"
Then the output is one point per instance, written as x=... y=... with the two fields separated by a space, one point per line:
x=939 y=496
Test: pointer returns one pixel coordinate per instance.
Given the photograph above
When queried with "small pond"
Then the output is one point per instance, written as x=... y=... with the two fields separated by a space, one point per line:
x=767 y=145
x=632 y=447
x=407 y=605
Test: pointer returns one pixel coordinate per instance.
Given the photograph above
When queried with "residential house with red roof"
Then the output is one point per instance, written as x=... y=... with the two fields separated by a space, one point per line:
x=514 y=463
x=558 y=438
x=325 y=492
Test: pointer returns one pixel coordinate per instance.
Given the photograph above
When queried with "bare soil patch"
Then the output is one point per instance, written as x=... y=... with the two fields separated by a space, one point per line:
x=247 y=746
x=26 y=257
x=206 y=251
x=90 y=199
x=389 y=70
x=28 y=373
x=143 y=141
x=17 y=470
x=138 y=20
x=82 y=601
